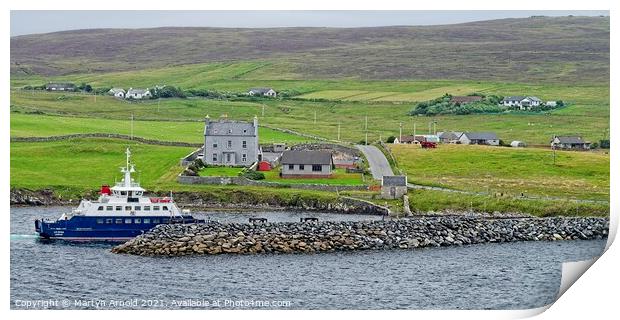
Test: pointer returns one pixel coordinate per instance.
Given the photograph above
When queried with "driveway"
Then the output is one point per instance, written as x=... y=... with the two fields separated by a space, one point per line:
x=379 y=165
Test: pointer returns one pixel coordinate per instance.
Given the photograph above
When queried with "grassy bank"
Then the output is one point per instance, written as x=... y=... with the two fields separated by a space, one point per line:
x=580 y=175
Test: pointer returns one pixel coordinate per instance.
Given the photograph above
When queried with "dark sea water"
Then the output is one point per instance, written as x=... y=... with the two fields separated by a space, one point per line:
x=61 y=275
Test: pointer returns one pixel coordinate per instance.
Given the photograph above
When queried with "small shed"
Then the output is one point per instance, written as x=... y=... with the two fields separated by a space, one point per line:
x=264 y=166
x=518 y=144
x=393 y=187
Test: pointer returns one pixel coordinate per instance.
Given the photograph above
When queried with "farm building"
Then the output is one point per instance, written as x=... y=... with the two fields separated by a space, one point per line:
x=518 y=144
x=569 y=143
x=138 y=94
x=266 y=92
x=465 y=99
x=263 y=166
x=449 y=136
x=521 y=102
x=231 y=143
x=117 y=92
x=58 y=86
x=484 y=138
x=393 y=187
x=306 y=164
x=416 y=139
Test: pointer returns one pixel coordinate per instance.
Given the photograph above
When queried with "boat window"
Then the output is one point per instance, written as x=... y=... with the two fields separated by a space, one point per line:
x=147 y=220
x=128 y=221
x=100 y=208
x=137 y=208
x=137 y=220
x=123 y=193
x=119 y=208
x=147 y=208
x=119 y=221
x=108 y=221
x=155 y=220
x=164 y=208
x=165 y=220
x=127 y=208
x=108 y=208
x=155 y=208
x=99 y=221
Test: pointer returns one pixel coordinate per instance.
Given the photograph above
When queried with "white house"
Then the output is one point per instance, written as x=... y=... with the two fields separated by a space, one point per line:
x=486 y=138
x=266 y=92
x=521 y=102
x=117 y=92
x=552 y=104
x=138 y=94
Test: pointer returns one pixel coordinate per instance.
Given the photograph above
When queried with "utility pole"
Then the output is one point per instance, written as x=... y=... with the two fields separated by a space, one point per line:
x=338 y=130
x=400 y=137
x=366 y=129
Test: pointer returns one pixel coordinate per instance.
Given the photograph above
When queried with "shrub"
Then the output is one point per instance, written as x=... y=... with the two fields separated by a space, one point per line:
x=593 y=145
x=190 y=172
x=253 y=175
x=390 y=139
x=604 y=144
x=198 y=163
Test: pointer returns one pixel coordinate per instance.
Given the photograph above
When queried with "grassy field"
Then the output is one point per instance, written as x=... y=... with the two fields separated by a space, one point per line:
x=220 y=172
x=31 y=125
x=588 y=114
x=339 y=177
x=512 y=171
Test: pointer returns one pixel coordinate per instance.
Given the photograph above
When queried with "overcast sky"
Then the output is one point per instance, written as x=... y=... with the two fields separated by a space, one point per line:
x=28 y=22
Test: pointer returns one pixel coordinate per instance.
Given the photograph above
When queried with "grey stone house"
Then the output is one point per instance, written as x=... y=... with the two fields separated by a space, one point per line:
x=393 y=187
x=306 y=164
x=231 y=143
x=57 y=86
x=569 y=143
x=486 y=138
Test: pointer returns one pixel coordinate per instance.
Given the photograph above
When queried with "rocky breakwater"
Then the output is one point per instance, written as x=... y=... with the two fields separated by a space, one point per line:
x=240 y=238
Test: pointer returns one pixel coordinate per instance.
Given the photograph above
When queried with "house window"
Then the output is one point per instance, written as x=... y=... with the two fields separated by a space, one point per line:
x=317 y=167
x=229 y=144
x=215 y=145
x=244 y=144
x=229 y=131
x=215 y=157
x=291 y=167
x=245 y=131
x=228 y=157
x=301 y=167
x=244 y=157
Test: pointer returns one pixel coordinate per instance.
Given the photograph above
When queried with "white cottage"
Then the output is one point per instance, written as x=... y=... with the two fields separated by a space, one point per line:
x=138 y=94
x=117 y=92
x=266 y=92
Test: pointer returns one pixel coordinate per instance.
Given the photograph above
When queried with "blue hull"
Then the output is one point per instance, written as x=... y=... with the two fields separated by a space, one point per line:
x=103 y=228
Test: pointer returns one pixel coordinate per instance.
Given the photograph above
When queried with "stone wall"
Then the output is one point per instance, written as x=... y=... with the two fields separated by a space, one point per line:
x=105 y=135
x=329 y=236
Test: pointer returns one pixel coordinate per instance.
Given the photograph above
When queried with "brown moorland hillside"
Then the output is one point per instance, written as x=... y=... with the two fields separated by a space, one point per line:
x=544 y=49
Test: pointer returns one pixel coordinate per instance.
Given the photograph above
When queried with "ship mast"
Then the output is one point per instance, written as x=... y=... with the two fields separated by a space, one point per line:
x=129 y=168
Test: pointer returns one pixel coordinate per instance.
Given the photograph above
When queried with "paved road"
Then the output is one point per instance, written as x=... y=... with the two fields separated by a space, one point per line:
x=379 y=165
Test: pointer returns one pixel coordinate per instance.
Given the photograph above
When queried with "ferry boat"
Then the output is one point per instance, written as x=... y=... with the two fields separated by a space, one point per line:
x=121 y=213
